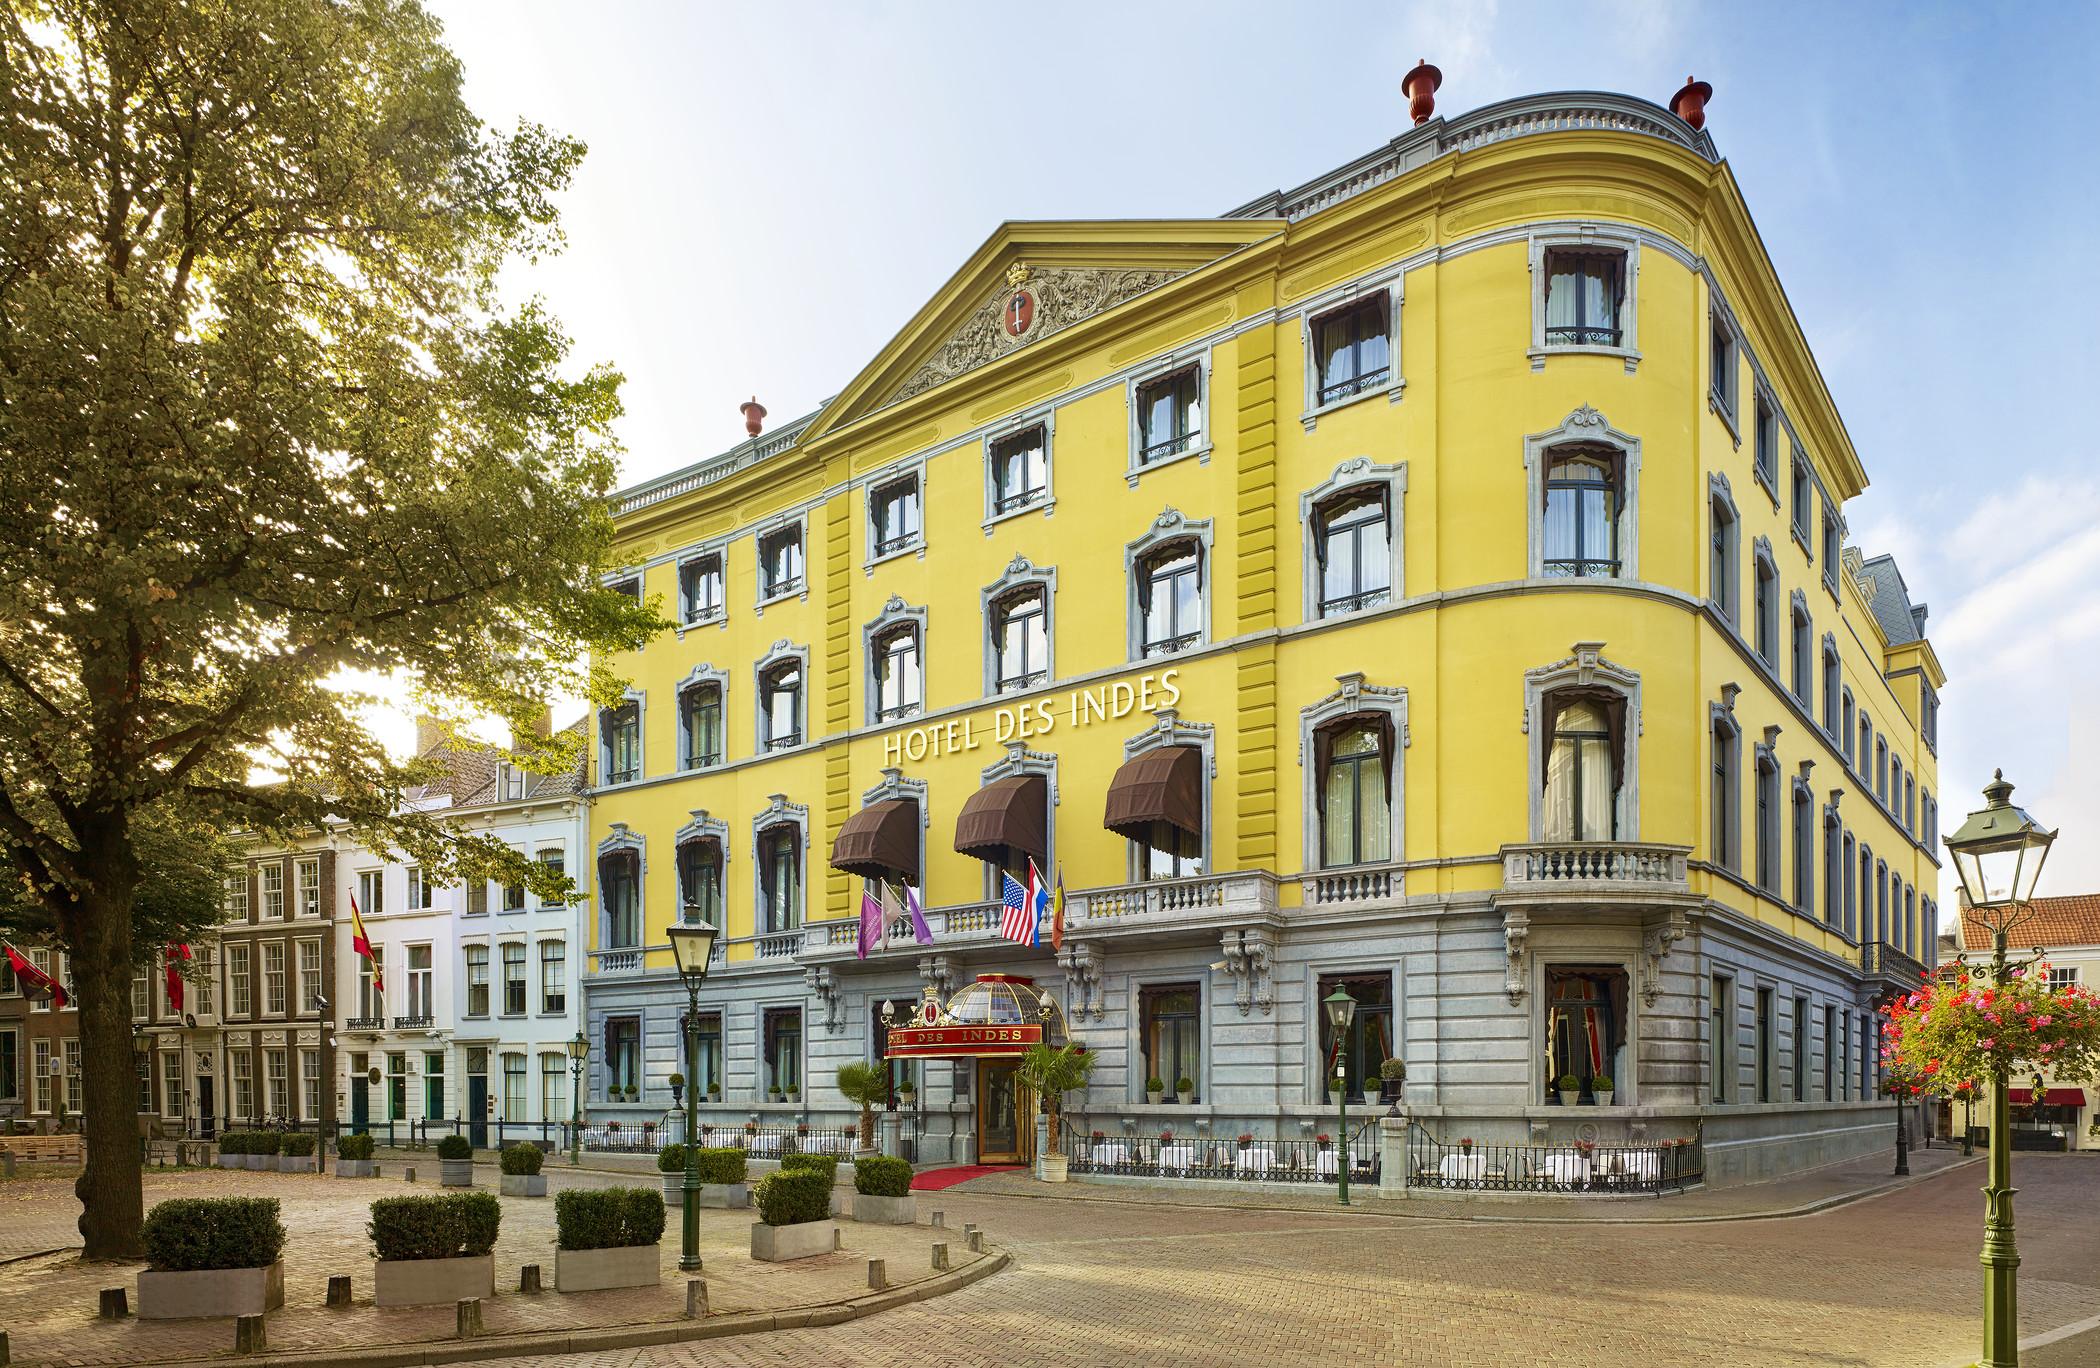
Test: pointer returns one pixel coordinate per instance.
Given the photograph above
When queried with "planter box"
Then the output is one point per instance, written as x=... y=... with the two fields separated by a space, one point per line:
x=233 y=1161
x=456 y=1172
x=593 y=1270
x=674 y=1191
x=432 y=1282
x=731 y=1195
x=778 y=1244
x=295 y=1163
x=211 y=1292
x=523 y=1185
x=1053 y=1168
x=357 y=1168
x=885 y=1210
x=259 y=1162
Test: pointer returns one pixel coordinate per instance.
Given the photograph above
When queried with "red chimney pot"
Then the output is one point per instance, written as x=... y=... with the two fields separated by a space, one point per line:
x=1420 y=86
x=1689 y=104
x=754 y=415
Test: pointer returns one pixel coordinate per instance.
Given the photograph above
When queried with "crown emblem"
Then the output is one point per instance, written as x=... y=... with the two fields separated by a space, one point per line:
x=1017 y=274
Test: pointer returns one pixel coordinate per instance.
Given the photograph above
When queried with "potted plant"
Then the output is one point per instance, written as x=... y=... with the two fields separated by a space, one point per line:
x=793 y=1090
x=1052 y=1071
x=212 y=1256
x=773 y=1094
x=612 y=1128
x=1392 y=1075
x=263 y=1147
x=907 y=1092
x=826 y=1164
x=296 y=1154
x=1323 y=1141
x=455 y=1161
x=882 y=1191
x=794 y=1216
x=865 y=1085
x=233 y=1151
x=521 y=1171
x=433 y=1251
x=1166 y=1137
x=714 y=1092
x=722 y=1179
x=1155 y=1089
x=1246 y=1139
x=1185 y=1090
x=607 y=1237
x=1570 y=1089
x=1601 y=1085
x=353 y=1157
x=670 y=1162
x=677 y=1089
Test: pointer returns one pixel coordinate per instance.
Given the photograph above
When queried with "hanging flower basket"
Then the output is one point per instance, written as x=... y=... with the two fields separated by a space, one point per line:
x=1952 y=1037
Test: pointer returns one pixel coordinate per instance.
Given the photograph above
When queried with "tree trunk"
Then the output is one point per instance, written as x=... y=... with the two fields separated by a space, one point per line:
x=97 y=934
x=867 y=1126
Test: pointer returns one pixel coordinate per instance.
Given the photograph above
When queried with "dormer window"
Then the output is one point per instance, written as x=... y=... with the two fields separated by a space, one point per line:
x=700 y=589
x=1169 y=415
x=1584 y=291
x=1352 y=349
x=780 y=561
x=510 y=783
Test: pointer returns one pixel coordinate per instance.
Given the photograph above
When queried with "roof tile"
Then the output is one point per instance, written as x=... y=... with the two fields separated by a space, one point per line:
x=2049 y=922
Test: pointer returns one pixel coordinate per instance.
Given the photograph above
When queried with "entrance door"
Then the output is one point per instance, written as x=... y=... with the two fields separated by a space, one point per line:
x=207 y=1114
x=1005 y=1123
x=478 y=1110
x=360 y=1105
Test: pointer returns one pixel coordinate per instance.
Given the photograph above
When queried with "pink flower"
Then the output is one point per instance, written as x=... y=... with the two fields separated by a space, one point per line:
x=2043 y=1020
x=1988 y=1043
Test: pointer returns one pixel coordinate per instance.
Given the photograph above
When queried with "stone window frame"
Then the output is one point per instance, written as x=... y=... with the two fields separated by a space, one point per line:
x=778 y=812
x=1771 y=824
x=1586 y=666
x=1833 y=535
x=1548 y=950
x=895 y=612
x=1801 y=633
x=1198 y=356
x=1347 y=966
x=703 y=673
x=1587 y=237
x=1045 y=418
x=1354 y=696
x=1724 y=388
x=1800 y=480
x=888 y=478
x=1721 y=498
x=1168 y=528
x=1848 y=711
x=1168 y=976
x=1390 y=283
x=1168 y=729
x=1585 y=426
x=702 y=825
x=620 y=839
x=1720 y=716
x=1833 y=863
x=799 y=520
x=782 y=652
x=1352 y=475
x=1020 y=573
x=1833 y=684
x=717 y=551
x=1764 y=608
x=1801 y=842
x=1766 y=403
x=640 y=699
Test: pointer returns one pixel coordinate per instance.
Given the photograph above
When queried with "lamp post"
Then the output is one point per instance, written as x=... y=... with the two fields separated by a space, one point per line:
x=692 y=945
x=1341 y=1011
x=1968 y=1124
x=1998 y=855
x=579 y=1050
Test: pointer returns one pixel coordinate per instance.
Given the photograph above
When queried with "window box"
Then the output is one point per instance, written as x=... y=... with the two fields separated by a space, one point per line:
x=210 y=1292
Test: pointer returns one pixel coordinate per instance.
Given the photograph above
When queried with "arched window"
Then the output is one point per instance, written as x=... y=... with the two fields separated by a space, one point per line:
x=700 y=881
x=620 y=744
x=620 y=889
x=1355 y=793
x=1724 y=800
x=1582 y=512
x=1720 y=555
x=899 y=674
x=1020 y=639
x=700 y=723
x=780 y=877
x=1170 y=597
x=1767 y=822
x=1352 y=541
x=1584 y=731
x=780 y=705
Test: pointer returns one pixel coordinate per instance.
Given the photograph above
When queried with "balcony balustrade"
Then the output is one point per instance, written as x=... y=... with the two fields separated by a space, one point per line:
x=413 y=1023
x=365 y=1023
x=1879 y=959
x=628 y=961
x=1353 y=886
x=1595 y=867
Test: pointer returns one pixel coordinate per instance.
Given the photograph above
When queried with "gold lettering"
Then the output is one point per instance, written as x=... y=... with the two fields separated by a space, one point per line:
x=892 y=750
x=1124 y=698
x=1095 y=707
x=915 y=744
x=949 y=731
x=969 y=733
x=1145 y=694
x=1171 y=690
x=1003 y=726
x=1046 y=714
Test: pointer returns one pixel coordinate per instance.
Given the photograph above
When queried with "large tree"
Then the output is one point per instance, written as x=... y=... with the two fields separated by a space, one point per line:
x=271 y=445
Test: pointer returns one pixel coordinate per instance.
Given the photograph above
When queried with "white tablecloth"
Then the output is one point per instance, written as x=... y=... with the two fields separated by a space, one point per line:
x=1642 y=1166
x=1565 y=1170
x=1326 y=1163
x=1254 y=1159
x=1108 y=1153
x=759 y=1146
x=1470 y=1168
x=1179 y=1158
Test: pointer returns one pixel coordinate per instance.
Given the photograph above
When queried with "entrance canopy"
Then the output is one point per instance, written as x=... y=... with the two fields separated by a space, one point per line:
x=998 y=1015
x=1161 y=785
x=881 y=841
x=2063 y=1097
x=1005 y=821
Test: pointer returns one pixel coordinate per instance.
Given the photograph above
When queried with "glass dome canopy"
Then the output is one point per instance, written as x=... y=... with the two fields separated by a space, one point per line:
x=1006 y=1000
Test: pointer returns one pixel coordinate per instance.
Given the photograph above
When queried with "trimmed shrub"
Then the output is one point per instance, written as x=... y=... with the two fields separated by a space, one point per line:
x=455 y=1146
x=881 y=1176
x=265 y=1142
x=456 y=1225
x=298 y=1145
x=233 y=1142
x=793 y=1196
x=185 y=1234
x=721 y=1166
x=826 y=1164
x=354 y=1147
x=671 y=1159
x=522 y=1160
x=608 y=1218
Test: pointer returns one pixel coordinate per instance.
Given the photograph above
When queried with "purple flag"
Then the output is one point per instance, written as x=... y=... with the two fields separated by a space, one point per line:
x=919 y=932
x=870 y=924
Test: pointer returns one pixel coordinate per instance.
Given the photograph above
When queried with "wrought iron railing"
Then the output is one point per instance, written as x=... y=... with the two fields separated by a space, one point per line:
x=1884 y=959
x=1577 y=1168
x=1172 y=645
x=1020 y=498
x=1343 y=389
x=413 y=1023
x=1582 y=336
x=1234 y=1158
x=1173 y=446
x=903 y=541
x=1350 y=603
x=365 y=1023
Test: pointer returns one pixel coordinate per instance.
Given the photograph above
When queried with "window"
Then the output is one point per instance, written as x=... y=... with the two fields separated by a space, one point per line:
x=780 y=705
x=1352 y=540
x=893 y=509
x=478 y=898
x=783 y=1042
x=1369 y=1042
x=619 y=885
x=1723 y=359
x=371 y=1002
x=139 y=1001
x=1804 y=850
x=1831 y=534
x=1910 y=803
x=397 y=1086
x=40 y=1075
x=514 y=897
x=1851 y=889
x=309 y=976
x=780 y=562
x=1798 y=491
x=418 y=890
x=1832 y=675
x=2062 y=976
x=1767 y=445
x=1169 y=415
x=780 y=877
x=1582 y=766
x=1020 y=639
x=1352 y=350
x=1586 y=1025
x=1168 y=852
x=1720 y=568
x=1881 y=769
x=142 y=1071
x=554 y=977
x=310 y=1084
x=1844 y=728
x=308 y=885
x=707 y=1064
x=43 y=960
x=899 y=686
x=69 y=1049
x=240 y=1065
x=171 y=1089
x=514 y=978
x=1801 y=1049
x=1830 y=1063
x=1765 y=1050
x=273 y=978
x=623 y=1052
x=1720 y=1052
x=270 y=878
x=1170 y=598
x=1724 y=836
x=1767 y=822
x=477 y=980
x=700 y=723
x=1170 y=1028
x=1833 y=869
x=1356 y=778
x=1582 y=513
x=554 y=1104
x=1583 y=294
x=552 y=859
x=513 y=1086
x=700 y=588
x=422 y=1005
x=510 y=783
x=237 y=895
x=1859 y=1034
x=1804 y=655
x=1020 y=470
x=1929 y=726
x=1767 y=606
x=700 y=882
x=630 y=587
x=10 y=1065
x=276 y=1084
x=620 y=744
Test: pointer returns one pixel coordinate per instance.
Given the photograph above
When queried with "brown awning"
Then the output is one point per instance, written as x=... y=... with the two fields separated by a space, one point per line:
x=1161 y=785
x=1004 y=817
x=881 y=841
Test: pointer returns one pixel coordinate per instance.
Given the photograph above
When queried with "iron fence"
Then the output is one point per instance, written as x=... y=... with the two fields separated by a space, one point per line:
x=1577 y=1168
x=1241 y=1158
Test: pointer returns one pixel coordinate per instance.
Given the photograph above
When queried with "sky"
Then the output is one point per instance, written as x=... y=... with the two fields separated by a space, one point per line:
x=772 y=190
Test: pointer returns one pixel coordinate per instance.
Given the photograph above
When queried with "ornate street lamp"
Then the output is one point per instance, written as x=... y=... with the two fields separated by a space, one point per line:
x=1341 y=1011
x=692 y=946
x=579 y=1050
x=1998 y=855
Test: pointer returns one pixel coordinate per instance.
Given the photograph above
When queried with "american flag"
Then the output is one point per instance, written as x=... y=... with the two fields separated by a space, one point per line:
x=1017 y=922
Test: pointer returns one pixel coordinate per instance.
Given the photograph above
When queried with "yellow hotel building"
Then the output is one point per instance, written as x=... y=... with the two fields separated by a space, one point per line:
x=1428 y=582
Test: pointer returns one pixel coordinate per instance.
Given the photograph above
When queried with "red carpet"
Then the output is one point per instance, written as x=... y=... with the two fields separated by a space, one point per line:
x=933 y=1180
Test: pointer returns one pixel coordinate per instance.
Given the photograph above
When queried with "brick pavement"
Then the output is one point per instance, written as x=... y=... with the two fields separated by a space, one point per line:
x=48 y=1302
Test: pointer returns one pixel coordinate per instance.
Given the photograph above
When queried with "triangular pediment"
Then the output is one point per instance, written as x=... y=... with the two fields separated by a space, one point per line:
x=1030 y=282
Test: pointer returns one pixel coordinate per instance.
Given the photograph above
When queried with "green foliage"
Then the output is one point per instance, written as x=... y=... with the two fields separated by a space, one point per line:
x=1052 y=1071
x=1155 y=1085
x=881 y=1176
x=867 y=1086
x=671 y=1159
x=297 y=1144
x=451 y=1226
x=1569 y=1083
x=522 y=1160
x=608 y=1218
x=1393 y=1070
x=721 y=1166
x=1601 y=1083
x=1185 y=1084
x=1952 y=1038
x=793 y=1196
x=455 y=1146
x=826 y=1164
x=354 y=1146
x=233 y=1142
x=265 y=1142
x=186 y=1234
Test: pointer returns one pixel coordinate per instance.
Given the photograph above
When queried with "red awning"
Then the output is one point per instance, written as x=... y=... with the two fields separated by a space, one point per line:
x=2063 y=1097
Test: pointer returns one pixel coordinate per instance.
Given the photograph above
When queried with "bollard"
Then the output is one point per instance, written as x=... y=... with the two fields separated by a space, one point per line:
x=877 y=1277
x=940 y=1256
x=113 y=1304
x=339 y=1290
x=529 y=1278
x=248 y=1335
x=469 y=1317
x=838 y=1239
x=408 y=1175
x=695 y=1298
x=7 y=1163
x=4 y=1358
x=940 y=1218
x=976 y=1242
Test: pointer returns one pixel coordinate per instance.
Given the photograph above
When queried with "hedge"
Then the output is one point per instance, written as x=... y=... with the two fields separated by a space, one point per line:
x=185 y=1234
x=793 y=1196
x=608 y=1218
x=881 y=1176
x=233 y=1142
x=826 y=1164
x=354 y=1146
x=671 y=1159
x=721 y=1166
x=265 y=1142
x=456 y=1225
x=297 y=1145
x=522 y=1159
x=455 y=1147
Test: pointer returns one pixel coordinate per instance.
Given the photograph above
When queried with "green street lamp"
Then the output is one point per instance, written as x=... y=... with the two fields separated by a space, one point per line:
x=579 y=1050
x=1998 y=855
x=692 y=946
x=1341 y=1011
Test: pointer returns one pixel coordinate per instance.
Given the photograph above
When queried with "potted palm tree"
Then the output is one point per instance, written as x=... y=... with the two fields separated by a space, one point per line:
x=864 y=1085
x=1052 y=1071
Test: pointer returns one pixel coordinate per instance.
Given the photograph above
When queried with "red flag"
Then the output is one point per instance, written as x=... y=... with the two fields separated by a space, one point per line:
x=170 y=955
x=29 y=973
